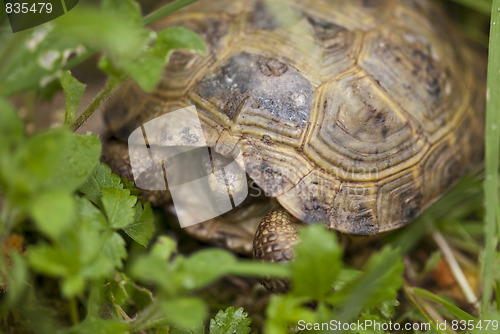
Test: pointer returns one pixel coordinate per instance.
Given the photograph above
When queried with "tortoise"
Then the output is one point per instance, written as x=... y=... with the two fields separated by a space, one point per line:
x=356 y=113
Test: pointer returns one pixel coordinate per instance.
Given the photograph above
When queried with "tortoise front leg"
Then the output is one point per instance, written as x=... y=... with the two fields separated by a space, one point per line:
x=274 y=241
x=276 y=236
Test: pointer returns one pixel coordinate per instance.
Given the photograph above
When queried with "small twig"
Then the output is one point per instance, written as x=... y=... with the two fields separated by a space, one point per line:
x=123 y=313
x=111 y=84
x=126 y=316
x=455 y=269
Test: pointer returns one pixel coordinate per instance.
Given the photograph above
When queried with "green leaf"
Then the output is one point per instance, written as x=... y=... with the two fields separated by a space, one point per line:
x=185 y=312
x=51 y=160
x=119 y=207
x=317 y=264
x=164 y=248
x=381 y=314
x=92 y=263
x=72 y=285
x=143 y=228
x=115 y=249
x=101 y=177
x=185 y=274
x=73 y=91
x=106 y=28
x=106 y=65
x=37 y=56
x=231 y=321
x=383 y=273
x=54 y=212
x=118 y=293
x=87 y=252
x=90 y=215
x=43 y=155
x=95 y=300
x=387 y=308
x=380 y=282
x=83 y=157
x=130 y=186
x=151 y=270
x=11 y=129
x=98 y=326
x=14 y=276
x=206 y=266
x=284 y=312
x=53 y=261
x=128 y=9
x=179 y=38
x=148 y=69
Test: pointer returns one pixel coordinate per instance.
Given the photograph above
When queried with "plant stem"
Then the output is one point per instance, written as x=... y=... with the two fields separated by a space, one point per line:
x=165 y=10
x=73 y=311
x=111 y=84
x=492 y=146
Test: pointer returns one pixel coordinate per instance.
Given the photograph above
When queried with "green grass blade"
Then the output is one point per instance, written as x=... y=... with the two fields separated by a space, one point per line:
x=492 y=156
x=457 y=312
x=420 y=306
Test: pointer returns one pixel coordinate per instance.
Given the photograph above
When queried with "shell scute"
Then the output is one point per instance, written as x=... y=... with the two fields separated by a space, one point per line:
x=357 y=113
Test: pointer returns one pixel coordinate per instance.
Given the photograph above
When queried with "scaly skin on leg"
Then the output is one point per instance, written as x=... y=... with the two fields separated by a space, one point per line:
x=276 y=236
x=274 y=241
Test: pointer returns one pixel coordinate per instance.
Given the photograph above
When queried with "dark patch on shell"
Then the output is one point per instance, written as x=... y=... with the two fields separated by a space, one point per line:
x=232 y=102
x=314 y=211
x=412 y=208
x=324 y=30
x=431 y=74
x=267 y=140
x=364 y=224
x=249 y=81
x=262 y=18
x=370 y=3
x=213 y=31
x=380 y=121
x=271 y=66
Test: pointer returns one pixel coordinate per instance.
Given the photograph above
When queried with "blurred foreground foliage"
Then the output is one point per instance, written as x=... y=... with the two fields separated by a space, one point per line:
x=69 y=223
x=78 y=215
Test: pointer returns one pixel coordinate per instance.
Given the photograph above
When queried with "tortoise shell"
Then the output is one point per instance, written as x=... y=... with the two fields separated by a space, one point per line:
x=359 y=114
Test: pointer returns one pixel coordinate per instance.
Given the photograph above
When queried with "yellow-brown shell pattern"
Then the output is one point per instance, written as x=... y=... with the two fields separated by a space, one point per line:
x=357 y=113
